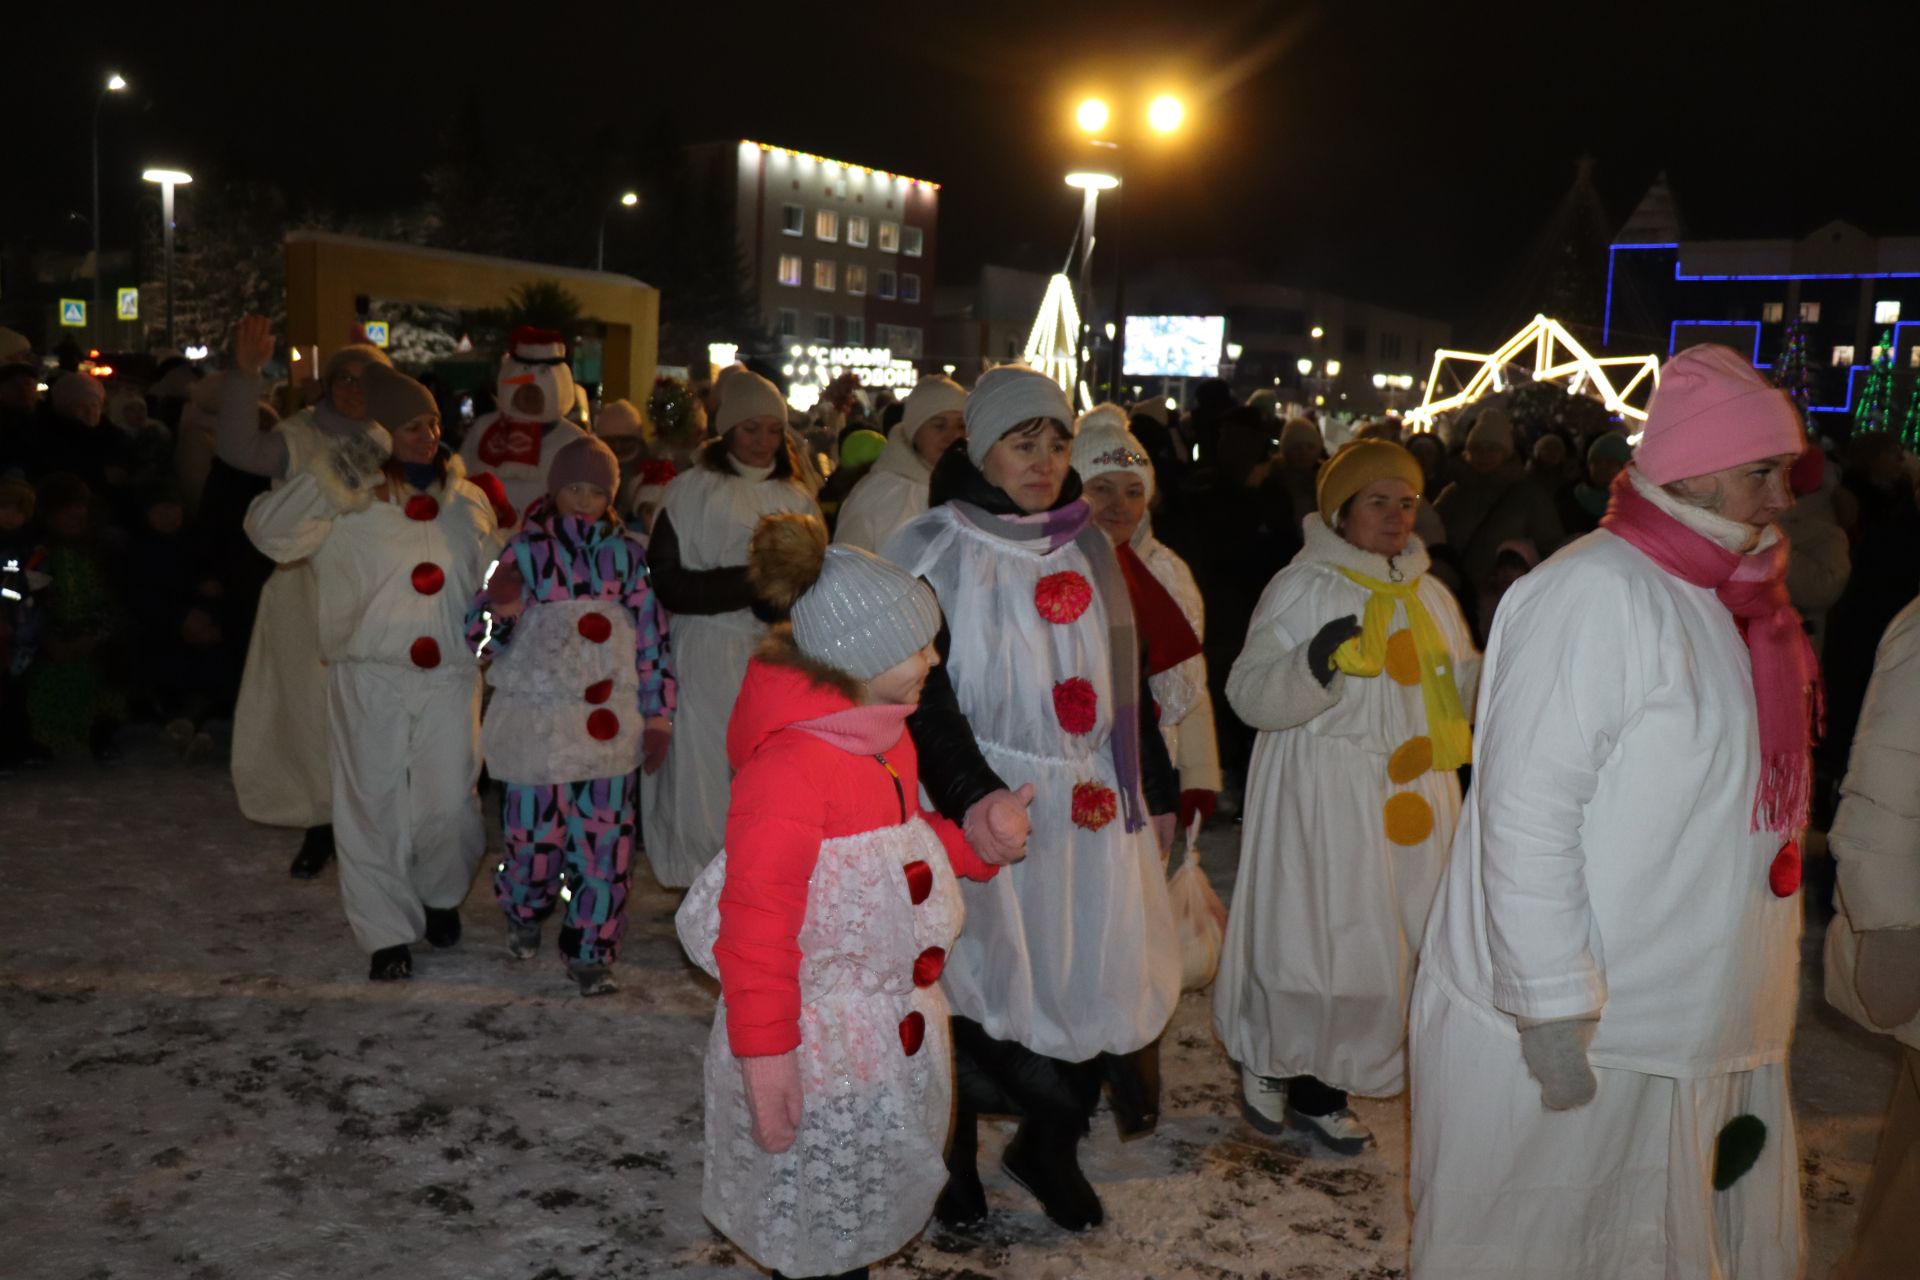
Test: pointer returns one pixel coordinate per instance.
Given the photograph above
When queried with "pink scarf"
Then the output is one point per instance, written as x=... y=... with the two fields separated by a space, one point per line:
x=863 y=730
x=1785 y=675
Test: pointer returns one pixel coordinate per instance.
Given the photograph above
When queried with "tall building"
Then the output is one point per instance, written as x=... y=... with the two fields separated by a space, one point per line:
x=839 y=254
x=1847 y=289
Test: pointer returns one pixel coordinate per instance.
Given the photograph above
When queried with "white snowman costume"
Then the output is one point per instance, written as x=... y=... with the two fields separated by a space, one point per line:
x=516 y=446
x=1333 y=893
x=392 y=578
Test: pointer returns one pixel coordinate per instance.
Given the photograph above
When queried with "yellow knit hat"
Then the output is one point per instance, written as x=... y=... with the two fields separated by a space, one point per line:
x=1358 y=465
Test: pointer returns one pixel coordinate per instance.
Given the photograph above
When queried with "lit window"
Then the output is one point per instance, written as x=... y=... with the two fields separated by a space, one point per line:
x=857 y=230
x=1809 y=313
x=790 y=269
x=856 y=330
x=826 y=225
x=1842 y=357
x=1772 y=312
x=1913 y=357
x=789 y=323
x=909 y=287
x=912 y=240
x=823 y=327
x=823 y=274
x=1886 y=312
x=889 y=237
x=856 y=279
x=883 y=282
x=793 y=220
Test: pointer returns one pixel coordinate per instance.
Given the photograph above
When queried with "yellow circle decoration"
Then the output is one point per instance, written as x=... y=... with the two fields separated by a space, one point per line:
x=1403 y=663
x=1409 y=819
x=1414 y=758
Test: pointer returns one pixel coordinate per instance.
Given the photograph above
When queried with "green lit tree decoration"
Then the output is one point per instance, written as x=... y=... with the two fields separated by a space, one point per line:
x=1910 y=427
x=1790 y=371
x=1874 y=410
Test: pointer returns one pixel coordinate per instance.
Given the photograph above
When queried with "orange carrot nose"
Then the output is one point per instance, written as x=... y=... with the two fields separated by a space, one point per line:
x=519 y=380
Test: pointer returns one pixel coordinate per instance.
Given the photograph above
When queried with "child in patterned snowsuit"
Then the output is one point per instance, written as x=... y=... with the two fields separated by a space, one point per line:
x=581 y=695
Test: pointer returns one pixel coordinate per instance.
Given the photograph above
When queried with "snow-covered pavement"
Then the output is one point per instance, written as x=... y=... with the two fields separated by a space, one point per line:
x=197 y=1080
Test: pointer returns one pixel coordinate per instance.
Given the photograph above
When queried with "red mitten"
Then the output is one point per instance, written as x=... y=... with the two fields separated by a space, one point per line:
x=1197 y=802
x=655 y=737
x=489 y=484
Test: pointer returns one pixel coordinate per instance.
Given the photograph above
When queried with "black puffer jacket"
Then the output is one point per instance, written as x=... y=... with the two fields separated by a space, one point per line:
x=952 y=769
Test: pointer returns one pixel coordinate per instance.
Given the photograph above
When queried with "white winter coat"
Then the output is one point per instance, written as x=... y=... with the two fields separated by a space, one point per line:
x=1327 y=912
x=892 y=493
x=1876 y=835
x=1606 y=861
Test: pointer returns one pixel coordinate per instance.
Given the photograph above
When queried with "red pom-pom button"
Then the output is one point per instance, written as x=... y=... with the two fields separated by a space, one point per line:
x=422 y=506
x=425 y=653
x=603 y=724
x=599 y=691
x=919 y=881
x=428 y=578
x=595 y=627
x=1783 y=877
x=927 y=966
x=913 y=1032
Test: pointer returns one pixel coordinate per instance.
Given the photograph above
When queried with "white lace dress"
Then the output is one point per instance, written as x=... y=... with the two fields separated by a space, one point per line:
x=876 y=1064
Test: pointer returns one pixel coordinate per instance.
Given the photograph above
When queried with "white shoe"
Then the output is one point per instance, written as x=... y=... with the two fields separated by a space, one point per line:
x=1263 y=1101
x=1340 y=1130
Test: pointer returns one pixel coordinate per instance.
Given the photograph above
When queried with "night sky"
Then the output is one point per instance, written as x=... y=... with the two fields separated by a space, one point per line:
x=1403 y=153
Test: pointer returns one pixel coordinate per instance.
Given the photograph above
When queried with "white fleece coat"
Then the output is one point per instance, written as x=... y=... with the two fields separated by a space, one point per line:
x=892 y=493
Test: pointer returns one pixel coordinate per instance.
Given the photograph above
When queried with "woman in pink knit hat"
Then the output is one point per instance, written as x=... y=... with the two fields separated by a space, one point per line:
x=1606 y=993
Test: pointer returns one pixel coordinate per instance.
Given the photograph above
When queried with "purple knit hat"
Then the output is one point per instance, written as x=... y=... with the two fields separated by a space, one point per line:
x=586 y=460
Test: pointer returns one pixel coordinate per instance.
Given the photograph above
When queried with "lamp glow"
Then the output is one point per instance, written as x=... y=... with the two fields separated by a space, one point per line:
x=1092 y=115
x=1318 y=333
x=1165 y=113
x=168 y=177
x=1088 y=181
x=1333 y=368
x=1304 y=365
x=630 y=199
x=115 y=83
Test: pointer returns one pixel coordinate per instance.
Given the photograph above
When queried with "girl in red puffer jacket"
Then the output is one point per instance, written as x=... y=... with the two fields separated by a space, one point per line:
x=827 y=919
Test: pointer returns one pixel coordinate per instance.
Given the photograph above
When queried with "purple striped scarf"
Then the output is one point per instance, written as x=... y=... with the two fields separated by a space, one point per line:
x=1074 y=523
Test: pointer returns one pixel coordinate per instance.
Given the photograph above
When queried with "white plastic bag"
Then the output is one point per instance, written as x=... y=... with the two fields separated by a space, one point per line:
x=1199 y=918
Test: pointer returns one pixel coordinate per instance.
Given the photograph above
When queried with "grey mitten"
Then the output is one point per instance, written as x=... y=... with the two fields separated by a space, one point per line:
x=1320 y=648
x=357 y=458
x=1556 y=1056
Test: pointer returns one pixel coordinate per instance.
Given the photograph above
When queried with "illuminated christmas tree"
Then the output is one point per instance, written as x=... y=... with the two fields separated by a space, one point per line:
x=1874 y=409
x=1910 y=428
x=1790 y=371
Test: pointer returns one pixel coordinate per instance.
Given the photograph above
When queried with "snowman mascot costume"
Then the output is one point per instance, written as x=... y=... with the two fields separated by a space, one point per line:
x=517 y=443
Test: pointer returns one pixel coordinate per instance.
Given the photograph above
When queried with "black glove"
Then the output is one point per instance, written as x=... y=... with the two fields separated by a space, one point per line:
x=1320 y=648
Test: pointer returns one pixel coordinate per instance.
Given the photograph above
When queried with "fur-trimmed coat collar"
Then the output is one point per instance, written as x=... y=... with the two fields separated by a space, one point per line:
x=779 y=649
x=1325 y=546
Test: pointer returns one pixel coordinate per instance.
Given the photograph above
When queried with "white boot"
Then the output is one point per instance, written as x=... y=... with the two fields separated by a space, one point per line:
x=1263 y=1101
x=1339 y=1130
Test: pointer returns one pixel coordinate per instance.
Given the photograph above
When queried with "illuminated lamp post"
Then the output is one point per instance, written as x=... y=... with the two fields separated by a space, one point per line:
x=115 y=84
x=168 y=180
x=627 y=201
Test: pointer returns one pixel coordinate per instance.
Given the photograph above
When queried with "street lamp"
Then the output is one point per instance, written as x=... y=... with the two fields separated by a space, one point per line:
x=628 y=199
x=1092 y=115
x=1304 y=365
x=1165 y=113
x=115 y=84
x=168 y=180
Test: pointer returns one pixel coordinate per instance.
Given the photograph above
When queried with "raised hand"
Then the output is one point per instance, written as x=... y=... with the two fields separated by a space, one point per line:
x=252 y=343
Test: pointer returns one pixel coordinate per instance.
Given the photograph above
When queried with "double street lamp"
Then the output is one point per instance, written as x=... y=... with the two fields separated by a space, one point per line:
x=168 y=180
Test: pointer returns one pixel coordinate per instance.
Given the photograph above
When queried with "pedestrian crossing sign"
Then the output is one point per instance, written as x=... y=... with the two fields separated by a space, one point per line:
x=377 y=333
x=129 y=302
x=73 y=313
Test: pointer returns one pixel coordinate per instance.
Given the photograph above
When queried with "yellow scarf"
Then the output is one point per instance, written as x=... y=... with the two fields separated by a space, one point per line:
x=1368 y=655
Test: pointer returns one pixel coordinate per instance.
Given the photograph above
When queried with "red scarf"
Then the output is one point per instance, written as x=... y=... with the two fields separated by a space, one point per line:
x=1167 y=635
x=1753 y=587
x=510 y=440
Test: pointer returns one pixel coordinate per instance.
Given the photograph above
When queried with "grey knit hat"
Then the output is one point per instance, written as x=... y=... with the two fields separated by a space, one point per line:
x=1004 y=398
x=864 y=615
x=849 y=609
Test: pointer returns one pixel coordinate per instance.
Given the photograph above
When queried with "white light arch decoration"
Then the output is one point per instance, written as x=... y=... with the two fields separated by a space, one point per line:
x=1052 y=347
x=1557 y=357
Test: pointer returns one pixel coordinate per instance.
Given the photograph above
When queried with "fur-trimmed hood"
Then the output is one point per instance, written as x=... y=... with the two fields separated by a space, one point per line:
x=1324 y=546
x=783 y=687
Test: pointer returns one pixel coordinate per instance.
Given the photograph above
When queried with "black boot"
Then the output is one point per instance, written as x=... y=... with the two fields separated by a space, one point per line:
x=443 y=926
x=1133 y=1084
x=316 y=851
x=964 y=1201
x=390 y=964
x=1044 y=1157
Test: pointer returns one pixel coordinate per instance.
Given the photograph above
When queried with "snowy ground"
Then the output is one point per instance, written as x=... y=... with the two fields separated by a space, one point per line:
x=200 y=1082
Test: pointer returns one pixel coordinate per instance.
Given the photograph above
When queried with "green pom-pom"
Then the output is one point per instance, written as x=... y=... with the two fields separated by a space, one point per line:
x=1738 y=1148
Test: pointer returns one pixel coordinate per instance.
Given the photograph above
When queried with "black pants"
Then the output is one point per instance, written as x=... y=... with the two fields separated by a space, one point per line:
x=1312 y=1097
x=1002 y=1077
